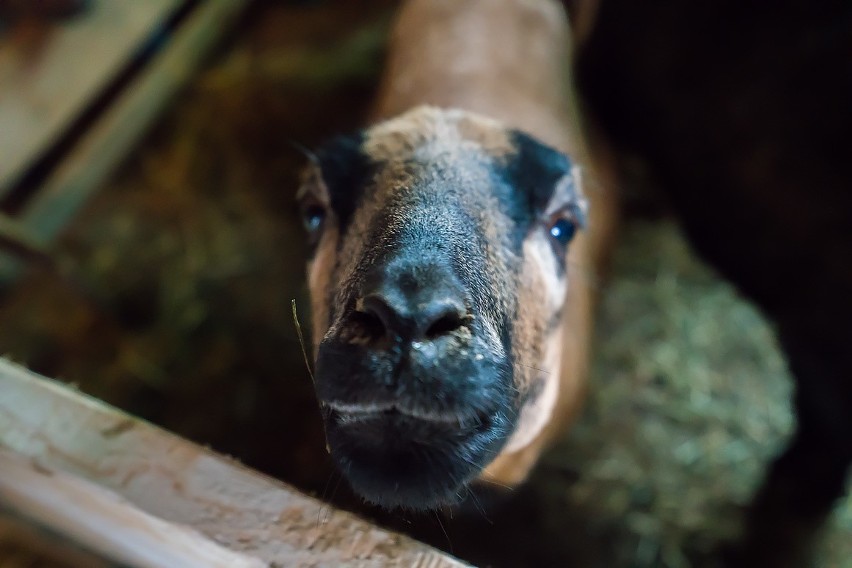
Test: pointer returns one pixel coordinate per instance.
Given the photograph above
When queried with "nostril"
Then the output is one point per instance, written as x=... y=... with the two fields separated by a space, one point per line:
x=445 y=324
x=381 y=315
x=369 y=324
x=377 y=316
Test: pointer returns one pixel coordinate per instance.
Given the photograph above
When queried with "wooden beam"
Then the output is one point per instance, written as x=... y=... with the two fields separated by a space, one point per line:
x=106 y=462
x=104 y=522
x=24 y=544
x=121 y=127
x=48 y=76
x=89 y=163
x=15 y=238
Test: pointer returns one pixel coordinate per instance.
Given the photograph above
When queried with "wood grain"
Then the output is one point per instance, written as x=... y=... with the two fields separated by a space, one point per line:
x=85 y=168
x=179 y=482
x=47 y=78
x=103 y=521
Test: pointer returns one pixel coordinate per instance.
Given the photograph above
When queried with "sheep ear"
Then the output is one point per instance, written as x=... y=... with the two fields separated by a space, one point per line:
x=539 y=171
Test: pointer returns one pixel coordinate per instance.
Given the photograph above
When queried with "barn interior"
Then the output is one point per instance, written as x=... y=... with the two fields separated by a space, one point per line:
x=169 y=295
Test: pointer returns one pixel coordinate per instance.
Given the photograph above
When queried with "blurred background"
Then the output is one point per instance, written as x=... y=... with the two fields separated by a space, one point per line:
x=167 y=292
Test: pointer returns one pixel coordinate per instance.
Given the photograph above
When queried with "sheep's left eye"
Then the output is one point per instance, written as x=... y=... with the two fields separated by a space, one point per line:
x=312 y=218
x=562 y=230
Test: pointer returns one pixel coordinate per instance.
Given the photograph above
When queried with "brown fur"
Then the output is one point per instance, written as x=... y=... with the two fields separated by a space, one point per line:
x=508 y=60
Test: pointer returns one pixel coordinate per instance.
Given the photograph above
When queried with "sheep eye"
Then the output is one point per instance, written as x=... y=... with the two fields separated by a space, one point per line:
x=562 y=229
x=313 y=216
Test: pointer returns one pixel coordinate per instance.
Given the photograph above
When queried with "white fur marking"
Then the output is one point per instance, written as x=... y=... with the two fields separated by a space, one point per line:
x=536 y=413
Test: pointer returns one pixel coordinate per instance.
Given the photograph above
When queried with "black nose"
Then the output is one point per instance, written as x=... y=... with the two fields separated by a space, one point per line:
x=416 y=304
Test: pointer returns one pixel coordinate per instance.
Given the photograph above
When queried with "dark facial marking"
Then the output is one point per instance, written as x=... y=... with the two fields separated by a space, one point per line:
x=535 y=170
x=346 y=171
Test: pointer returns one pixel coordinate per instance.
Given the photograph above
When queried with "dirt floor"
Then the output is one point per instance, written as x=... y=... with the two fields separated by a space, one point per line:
x=173 y=302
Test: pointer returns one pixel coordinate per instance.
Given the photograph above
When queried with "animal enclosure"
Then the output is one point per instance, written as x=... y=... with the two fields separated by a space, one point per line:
x=179 y=312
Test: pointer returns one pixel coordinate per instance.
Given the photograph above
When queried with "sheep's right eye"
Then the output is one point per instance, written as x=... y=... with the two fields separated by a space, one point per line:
x=312 y=218
x=562 y=230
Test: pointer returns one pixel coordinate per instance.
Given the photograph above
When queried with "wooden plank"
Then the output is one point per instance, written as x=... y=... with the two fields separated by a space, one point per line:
x=45 y=86
x=180 y=482
x=92 y=160
x=104 y=522
x=126 y=121
x=15 y=237
x=24 y=544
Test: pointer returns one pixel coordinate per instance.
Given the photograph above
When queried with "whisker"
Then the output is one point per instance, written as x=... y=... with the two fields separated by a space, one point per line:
x=470 y=491
x=324 y=412
x=302 y=340
x=495 y=483
x=478 y=504
x=334 y=492
x=446 y=534
x=323 y=503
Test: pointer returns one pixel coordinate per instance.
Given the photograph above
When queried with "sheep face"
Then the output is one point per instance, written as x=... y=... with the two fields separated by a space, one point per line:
x=437 y=279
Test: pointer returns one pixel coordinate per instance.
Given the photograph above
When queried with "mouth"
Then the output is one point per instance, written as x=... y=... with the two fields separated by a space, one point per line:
x=410 y=430
x=413 y=459
x=361 y=413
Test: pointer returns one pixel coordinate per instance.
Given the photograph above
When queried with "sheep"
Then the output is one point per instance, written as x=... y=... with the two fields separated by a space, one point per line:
x=453 y=256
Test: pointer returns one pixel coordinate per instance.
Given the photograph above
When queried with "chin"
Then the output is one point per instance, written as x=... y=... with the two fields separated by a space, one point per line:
x=417 y=463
